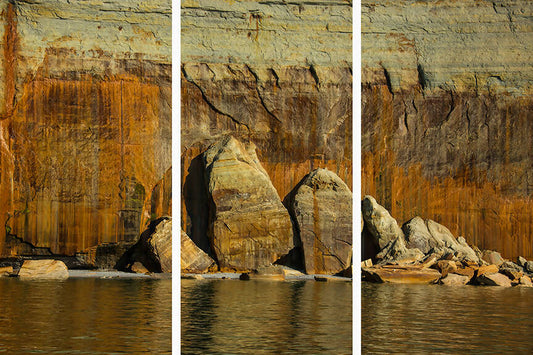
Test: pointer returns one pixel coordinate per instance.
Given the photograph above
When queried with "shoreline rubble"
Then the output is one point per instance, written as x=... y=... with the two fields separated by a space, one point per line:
x=426 y=252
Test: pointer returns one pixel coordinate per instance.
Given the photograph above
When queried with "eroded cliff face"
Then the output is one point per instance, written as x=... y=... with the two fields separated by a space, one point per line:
x=85 y=129
x=276 y=74
x=447 y=116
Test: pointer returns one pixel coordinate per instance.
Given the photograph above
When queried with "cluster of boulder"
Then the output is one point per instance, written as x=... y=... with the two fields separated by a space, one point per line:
x=152 y=253
x=424 y=251
x=249 y=227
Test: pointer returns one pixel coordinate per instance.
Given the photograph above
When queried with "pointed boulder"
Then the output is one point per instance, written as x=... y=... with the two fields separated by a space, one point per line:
x=249 y=226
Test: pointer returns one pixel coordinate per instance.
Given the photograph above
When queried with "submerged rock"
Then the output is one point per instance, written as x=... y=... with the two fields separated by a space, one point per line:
x=322 y=207
x=401 y=274
x=249 y=226
x=193 y=259
x=453 y=279
x=43 y=269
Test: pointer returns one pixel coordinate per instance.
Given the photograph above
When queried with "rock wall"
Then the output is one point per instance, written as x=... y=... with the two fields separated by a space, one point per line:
x=447 y=116
x=85 y=130
x=277 y=74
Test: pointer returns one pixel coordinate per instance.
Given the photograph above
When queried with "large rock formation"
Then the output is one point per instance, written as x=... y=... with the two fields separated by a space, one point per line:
x=448 y=137
x=322 y=208
x=85 y=130
x=275 y=73
x=249 y=226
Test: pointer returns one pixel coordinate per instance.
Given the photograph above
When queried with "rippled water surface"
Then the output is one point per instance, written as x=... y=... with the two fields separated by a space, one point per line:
x=85 y=316
x=266 y=317
x=430 y=319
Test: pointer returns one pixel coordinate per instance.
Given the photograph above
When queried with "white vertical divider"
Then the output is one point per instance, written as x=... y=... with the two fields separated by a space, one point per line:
x=356 y=156
x=176 y=176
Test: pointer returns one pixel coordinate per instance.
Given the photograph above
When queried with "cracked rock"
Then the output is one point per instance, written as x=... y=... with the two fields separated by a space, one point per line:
x=249 y=227
x=322 y=207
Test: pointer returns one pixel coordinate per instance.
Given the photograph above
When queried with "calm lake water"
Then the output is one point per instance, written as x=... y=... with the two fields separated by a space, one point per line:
x=85 y=316
x=430 y=319
x=266 y=317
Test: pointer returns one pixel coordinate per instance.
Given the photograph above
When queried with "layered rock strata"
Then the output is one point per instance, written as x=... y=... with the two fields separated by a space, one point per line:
x=322 y=208
x=276 y=74
x=84 y=121
x=444 y=135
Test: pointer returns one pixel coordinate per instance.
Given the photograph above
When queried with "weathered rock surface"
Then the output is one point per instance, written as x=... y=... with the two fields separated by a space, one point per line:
x=43 y=269
x=381 y=225
x=277 y=74
x=488 y=269
x=322 y=207
x=193 y=259
x=444 y=136
x=396 y=251
x=418 y=236
x=454 y=280
x=528 y=267
x=85 y=108
x=492 y=257
x=249 y=226
x=153 y=249
x=104 y=256
x=6 y=270
x=494 y=279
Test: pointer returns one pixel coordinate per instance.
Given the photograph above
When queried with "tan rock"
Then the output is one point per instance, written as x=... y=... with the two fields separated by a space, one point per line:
x=381 y=225
x=249 y=226
x=193 y=259
x=161 y=245
x=399 y=274
x=6 y=270
x=43 y=269
x=492 y=257
x=366 y=263
x=465 y=271
x=489 y=269
x=139 y=268
x=525 y=281
x=454 y=280
x=494 y=279
x=322 y=207
x=446 y=267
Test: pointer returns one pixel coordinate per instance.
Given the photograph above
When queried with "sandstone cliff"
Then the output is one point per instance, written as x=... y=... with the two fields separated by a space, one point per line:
x=447 y=116
x=276 y=74
x=85 y=120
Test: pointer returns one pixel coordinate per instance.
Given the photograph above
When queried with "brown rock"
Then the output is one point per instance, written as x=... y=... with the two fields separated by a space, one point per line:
x=193 y=259
x=489 y=269
x=249 y=226
x=139 y=268
x=466 y=271
x=399 y=274
x=43 y=269
x=492 y=257
x=453 y=279
x=511 y=274
x=6 y=270
x=322 y=207
x=446 y=266
x=494 y=279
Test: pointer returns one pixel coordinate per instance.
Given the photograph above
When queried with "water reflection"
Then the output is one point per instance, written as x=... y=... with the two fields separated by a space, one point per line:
x=85 y=316
x=265 y=317
x=438 y=319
